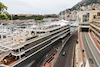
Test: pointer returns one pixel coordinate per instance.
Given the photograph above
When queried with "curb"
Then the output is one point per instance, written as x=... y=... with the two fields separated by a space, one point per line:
x=61 y=49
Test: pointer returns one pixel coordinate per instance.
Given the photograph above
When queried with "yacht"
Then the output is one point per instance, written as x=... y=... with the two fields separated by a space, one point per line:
x=23 y=44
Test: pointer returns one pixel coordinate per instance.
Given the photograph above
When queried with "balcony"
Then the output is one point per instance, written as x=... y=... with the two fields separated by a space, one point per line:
x=15 y=53
x=95 y=26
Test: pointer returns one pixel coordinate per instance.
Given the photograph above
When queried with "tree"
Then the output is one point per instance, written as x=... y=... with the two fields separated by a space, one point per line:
x=93 y=8
x=39 y=21
x=94 y=16
x=98 y=1
x=15 y=17
x=3 y=12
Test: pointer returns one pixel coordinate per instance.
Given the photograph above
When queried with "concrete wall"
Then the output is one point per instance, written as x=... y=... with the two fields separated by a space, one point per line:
x=91 y=16
x=36 y=57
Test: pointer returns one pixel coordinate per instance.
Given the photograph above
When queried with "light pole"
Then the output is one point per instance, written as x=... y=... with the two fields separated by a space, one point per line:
x=62 y=15
x=12 y=18
x=12 y=22
x=65 y=14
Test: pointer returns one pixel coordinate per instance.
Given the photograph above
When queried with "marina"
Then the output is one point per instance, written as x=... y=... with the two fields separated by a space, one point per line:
x=20 y=44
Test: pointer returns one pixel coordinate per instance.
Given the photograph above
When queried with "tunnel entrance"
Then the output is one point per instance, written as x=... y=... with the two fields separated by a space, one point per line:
x=84 y=29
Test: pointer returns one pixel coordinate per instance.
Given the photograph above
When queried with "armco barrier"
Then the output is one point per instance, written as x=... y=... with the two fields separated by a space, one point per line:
x=63 y=44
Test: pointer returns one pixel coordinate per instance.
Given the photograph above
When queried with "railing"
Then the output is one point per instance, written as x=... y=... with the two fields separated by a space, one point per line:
x=96 y=32
x=96 y=36
x=61 y=49
x=95 y=26
x=4 y=55
x=17 y=53
x=47 y=39
x=22 y=59
x=40 y=37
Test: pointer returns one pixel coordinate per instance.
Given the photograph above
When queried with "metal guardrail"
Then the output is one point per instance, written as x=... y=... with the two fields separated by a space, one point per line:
x=94 y=55
x=81 y=52
x=73 y=57
x=52 y=42
x=61 y=49
x=47 y=59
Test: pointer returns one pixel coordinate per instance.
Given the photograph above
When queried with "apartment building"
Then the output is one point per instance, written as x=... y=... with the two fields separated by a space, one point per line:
x=73 y=16
x=95 y=29
x=87 y=16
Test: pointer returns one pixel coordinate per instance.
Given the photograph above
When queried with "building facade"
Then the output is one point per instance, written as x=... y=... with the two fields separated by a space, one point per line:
x=95 y=29
x=87 y=16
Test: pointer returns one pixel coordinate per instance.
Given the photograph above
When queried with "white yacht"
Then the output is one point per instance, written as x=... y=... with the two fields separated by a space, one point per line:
x=23 y=43
x=74 y=24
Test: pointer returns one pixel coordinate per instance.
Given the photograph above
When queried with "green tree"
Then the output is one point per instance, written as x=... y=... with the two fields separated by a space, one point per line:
x=3 y=12
x=15 y=17
x=98 y=1
x=93 y=8
x=39 y=21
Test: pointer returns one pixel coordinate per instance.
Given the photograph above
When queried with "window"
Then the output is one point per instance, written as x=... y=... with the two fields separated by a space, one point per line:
x=32 y=32
x=98 y=13
x=40 y=32
x=85 y=17
x=79 y=19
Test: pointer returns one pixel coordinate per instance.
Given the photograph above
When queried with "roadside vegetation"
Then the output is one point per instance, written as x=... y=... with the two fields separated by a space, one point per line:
x=85 y=3
x=36 y=17
x=15 y=17
x=3 y=12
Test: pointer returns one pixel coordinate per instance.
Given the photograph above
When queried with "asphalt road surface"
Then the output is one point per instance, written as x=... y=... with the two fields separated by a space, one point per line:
x=66 y=61
x=90 y=49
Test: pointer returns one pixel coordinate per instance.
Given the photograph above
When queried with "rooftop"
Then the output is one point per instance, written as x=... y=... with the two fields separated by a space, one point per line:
x=19 y=36
x=47 y=26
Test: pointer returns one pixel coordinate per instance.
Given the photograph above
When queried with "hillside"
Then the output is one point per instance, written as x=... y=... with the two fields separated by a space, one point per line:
x=85 y=3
